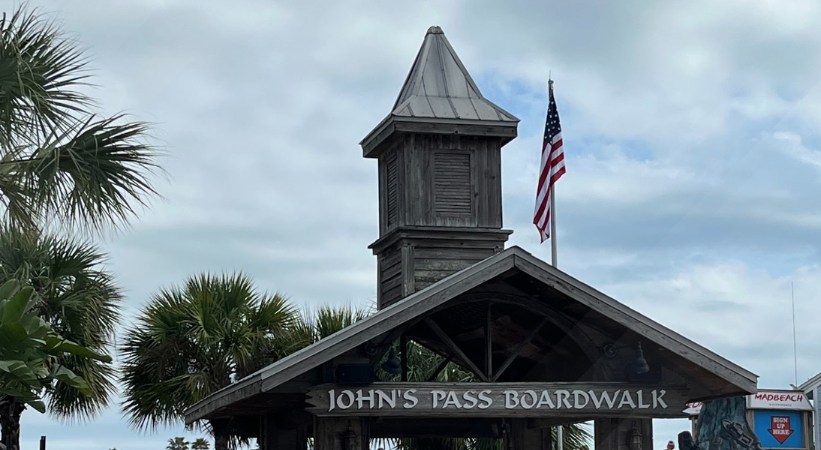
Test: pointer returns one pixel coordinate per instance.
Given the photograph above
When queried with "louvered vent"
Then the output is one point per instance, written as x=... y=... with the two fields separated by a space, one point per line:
x=451 y=183
x=393 y=191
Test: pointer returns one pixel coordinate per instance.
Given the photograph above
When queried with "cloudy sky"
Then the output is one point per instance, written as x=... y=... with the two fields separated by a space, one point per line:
x=691 y=138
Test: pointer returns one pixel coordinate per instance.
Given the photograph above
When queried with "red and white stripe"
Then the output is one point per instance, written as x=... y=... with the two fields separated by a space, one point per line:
x=552 y=169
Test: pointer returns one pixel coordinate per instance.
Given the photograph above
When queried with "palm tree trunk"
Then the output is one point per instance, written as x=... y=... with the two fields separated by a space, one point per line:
x=10 y=411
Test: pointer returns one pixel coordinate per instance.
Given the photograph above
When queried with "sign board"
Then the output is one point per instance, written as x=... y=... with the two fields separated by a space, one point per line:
x=693 y=408
x=786 y=400
x=497 y=399
x=779 y=429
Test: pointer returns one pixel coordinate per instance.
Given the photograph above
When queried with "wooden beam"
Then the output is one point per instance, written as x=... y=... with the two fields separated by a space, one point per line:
x=452 y=345
x=638 y=323
x=387 y=341
x=395 y=427
x=489 y=342
x=515 y=296
x=569 y=401
x=515 y=353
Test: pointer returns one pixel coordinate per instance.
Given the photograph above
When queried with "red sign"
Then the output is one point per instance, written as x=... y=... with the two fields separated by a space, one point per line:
x=780 y=428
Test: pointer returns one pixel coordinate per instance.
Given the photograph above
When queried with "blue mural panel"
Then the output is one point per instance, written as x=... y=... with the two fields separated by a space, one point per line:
x=778 y=428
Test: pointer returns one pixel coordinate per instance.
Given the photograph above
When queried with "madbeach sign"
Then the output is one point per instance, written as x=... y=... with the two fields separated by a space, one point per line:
x=790 y=400
x=783 y=400
x=496 y=399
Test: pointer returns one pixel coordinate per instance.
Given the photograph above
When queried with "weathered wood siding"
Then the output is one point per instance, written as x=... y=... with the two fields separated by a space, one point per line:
x=411 y=265
x=456 y=181
x=390 y=277
x=434 y=183
x=392 y=194
x=432 y=264
x=441 y=180
x=391 y=190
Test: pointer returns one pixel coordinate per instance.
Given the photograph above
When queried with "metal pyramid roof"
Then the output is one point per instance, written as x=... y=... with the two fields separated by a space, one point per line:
x=439 y=96
x=438 y=86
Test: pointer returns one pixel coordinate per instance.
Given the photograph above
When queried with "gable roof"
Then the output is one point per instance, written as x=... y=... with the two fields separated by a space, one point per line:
x=415 y=305
x=439 y=90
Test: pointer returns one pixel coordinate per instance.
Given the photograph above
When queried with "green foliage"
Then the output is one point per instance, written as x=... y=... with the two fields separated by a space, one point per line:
x=60 y=166
x=177 y=443
x=78 y=299
x=309 y=326
x=577 y=436
x=195 y=339
x=30 y=350
x=200 y=444
x=58 y=160
x=426 y=365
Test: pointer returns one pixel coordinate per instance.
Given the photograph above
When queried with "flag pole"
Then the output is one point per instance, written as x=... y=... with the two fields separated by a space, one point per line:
x=554 y=258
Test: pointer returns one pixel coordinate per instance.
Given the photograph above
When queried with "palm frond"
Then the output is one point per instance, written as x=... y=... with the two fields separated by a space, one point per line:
x=57 y=159
x=15 y=196
x=70 y=403
x=193 y=339
x=94 y=173
x=40 y=71
x=78 y=299
x=575 y=436
x=331 y=319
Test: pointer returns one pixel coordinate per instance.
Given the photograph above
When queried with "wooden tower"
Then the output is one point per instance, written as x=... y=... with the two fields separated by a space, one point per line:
x=440 y=191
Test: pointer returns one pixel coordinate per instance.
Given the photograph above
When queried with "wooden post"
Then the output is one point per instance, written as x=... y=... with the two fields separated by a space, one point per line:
x=524 y=437
x=281 y=433
x=623 y=434
x=340 y=433
x=42 y=443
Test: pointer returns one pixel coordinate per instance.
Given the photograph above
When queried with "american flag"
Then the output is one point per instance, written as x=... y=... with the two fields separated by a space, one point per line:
x=552 y=167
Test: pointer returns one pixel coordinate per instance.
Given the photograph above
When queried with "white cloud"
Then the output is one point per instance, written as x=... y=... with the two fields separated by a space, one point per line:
x=690 y=131
x=792 y=146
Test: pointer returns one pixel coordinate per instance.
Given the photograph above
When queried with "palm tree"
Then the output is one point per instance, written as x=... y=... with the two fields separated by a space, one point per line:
x=194 y=339
x=177 y=443
x=200 y=444
x=58 y=160
x=78 y=300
